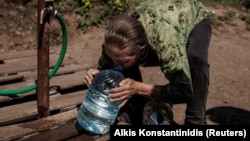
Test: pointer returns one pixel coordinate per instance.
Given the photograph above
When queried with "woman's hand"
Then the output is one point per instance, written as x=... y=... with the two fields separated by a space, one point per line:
x=126 y=89
x=89 y=76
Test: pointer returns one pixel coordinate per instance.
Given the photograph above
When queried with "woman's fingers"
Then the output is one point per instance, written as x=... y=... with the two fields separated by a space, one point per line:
x=89 y=76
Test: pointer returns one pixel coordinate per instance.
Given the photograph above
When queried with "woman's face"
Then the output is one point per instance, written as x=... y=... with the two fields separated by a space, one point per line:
x=122 y=57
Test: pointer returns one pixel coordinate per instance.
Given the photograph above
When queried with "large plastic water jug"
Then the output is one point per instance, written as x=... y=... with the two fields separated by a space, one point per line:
x=96 y=112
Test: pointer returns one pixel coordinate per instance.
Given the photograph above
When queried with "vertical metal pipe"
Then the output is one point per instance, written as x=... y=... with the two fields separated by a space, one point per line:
x=42 y=61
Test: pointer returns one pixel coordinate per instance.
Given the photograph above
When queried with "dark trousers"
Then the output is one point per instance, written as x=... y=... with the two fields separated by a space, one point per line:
x=197 y=52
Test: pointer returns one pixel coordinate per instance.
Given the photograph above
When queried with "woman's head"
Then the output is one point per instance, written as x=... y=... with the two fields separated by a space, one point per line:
x=125 y=40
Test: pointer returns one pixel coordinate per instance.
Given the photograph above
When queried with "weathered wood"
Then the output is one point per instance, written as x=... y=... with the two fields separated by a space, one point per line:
x=17 y=85
x=71 y=68
x=69 y=79
x=27 y=64
x=31 y=75
x=55 y=127
x=28 y=110
x=17 y=131
x=18 y=121
x=61 y=133
x=16 y=97
x=43 y=56
x=18 y=54
x=10 y=78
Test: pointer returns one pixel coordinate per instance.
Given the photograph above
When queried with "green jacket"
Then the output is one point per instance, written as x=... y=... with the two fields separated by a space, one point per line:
x=168 y=24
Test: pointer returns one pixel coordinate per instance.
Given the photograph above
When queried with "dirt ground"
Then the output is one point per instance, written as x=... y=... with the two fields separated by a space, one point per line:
x=228 y=100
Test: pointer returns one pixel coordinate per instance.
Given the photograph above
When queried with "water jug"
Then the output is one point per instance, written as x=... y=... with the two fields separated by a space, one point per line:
x=96 y=112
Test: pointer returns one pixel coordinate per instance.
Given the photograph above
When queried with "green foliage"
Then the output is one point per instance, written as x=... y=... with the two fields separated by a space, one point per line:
x=228 y=16
x=93 y=12
x=214 y=20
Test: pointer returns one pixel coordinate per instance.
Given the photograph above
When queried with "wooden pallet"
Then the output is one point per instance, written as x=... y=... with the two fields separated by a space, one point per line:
x=18 y=120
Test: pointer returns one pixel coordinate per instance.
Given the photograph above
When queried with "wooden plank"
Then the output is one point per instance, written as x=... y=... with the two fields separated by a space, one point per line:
x=27 y=64
x=71 y=68
x=17 y=85
x=58 y=134
x=17 y=98
x=18 y=54
x=67 y=132
x=64 y=69
x=69 y=81
x=24 y=96
x=10 y=78
x=56 y=127
x=16 y=113
x=17 y=131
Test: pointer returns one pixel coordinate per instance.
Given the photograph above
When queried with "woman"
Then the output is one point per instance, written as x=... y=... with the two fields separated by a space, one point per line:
x=172 y=34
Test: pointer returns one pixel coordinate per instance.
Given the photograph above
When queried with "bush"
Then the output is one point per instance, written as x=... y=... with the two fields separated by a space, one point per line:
x=93 y=12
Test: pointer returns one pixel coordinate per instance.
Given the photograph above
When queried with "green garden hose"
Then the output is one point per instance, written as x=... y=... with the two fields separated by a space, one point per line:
x=53 y=71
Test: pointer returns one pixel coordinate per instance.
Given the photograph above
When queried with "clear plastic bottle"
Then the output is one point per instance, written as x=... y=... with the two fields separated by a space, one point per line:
x=96 y=112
